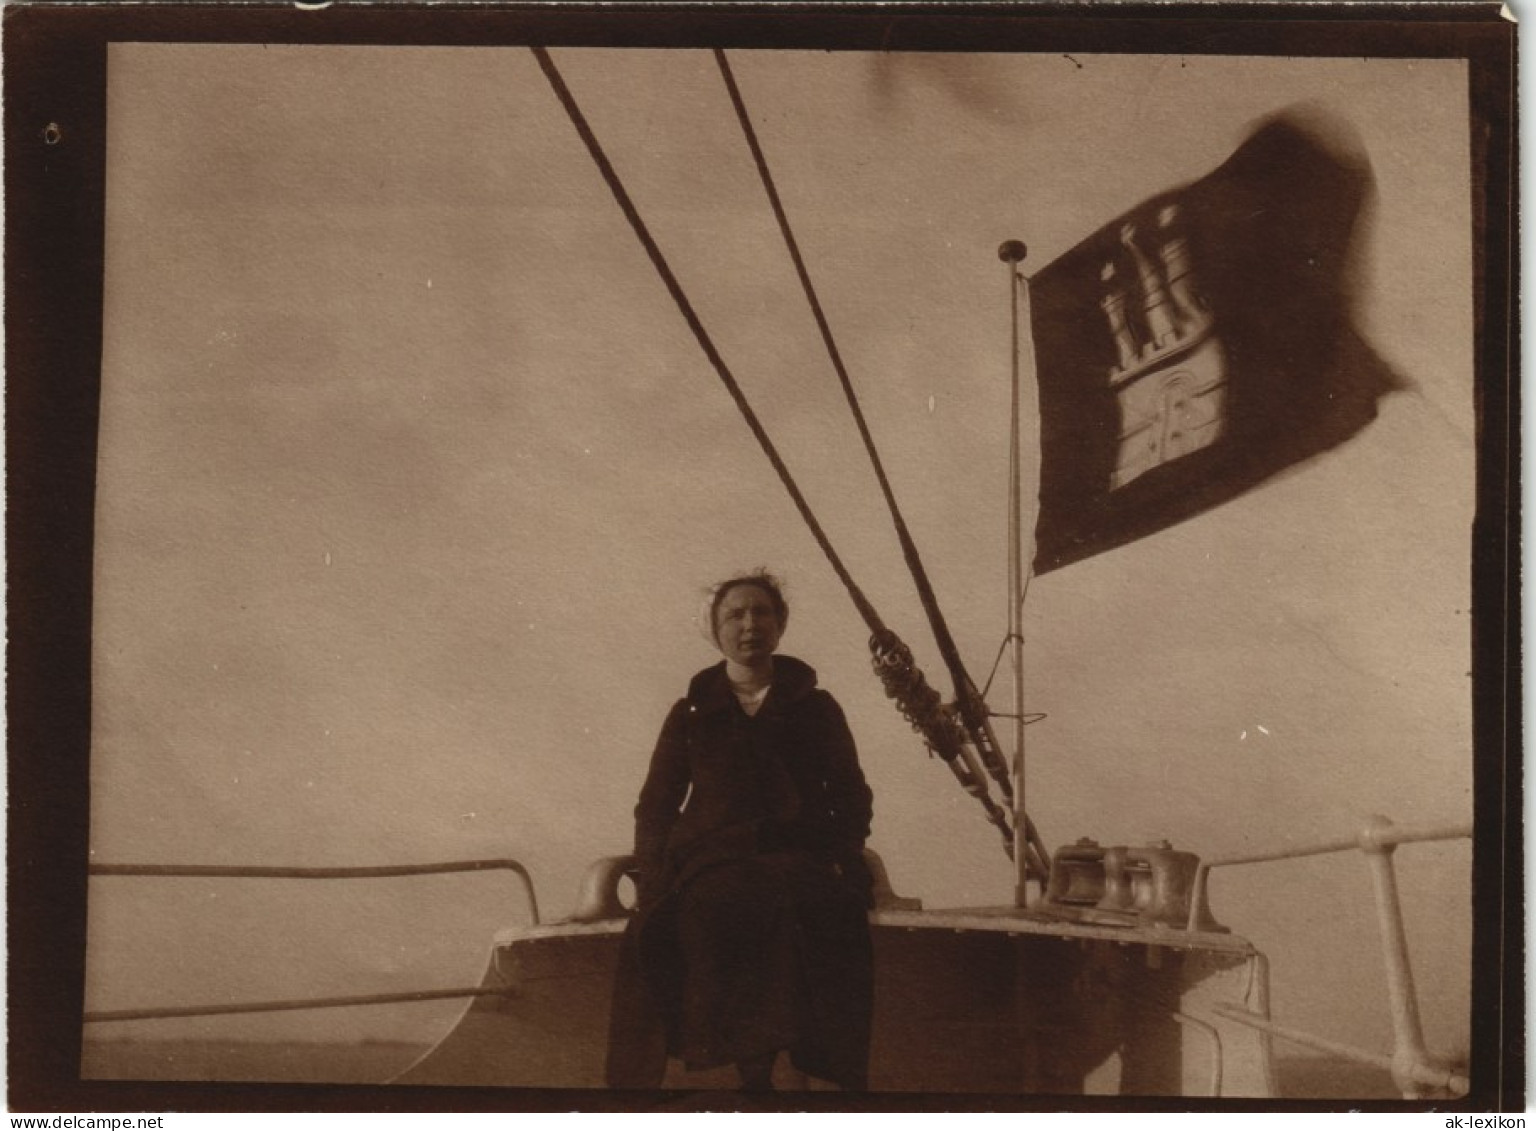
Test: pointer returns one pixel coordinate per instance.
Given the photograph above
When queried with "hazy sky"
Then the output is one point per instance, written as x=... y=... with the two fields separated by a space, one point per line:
x=411 y=474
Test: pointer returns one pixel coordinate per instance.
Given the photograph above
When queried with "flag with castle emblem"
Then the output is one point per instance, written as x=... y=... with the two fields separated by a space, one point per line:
x=1202 y=342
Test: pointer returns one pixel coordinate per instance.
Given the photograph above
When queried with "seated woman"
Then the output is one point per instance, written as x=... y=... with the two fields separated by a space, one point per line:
x=751 y=933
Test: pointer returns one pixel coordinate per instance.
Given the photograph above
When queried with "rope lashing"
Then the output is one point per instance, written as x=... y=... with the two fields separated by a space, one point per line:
x=940 y=726
x=914 y=696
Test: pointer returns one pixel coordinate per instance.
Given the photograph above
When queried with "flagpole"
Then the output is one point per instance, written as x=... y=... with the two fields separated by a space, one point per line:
x=1012 y=253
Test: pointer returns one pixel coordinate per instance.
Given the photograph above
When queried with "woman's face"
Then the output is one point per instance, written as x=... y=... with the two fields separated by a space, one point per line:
x=747 y=627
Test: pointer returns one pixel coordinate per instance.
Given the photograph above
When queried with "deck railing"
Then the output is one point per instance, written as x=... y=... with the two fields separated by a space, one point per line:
x=1413 y=1068
x=232 y=871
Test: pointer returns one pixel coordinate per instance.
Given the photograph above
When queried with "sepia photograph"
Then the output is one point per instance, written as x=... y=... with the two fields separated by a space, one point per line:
x=804 y=560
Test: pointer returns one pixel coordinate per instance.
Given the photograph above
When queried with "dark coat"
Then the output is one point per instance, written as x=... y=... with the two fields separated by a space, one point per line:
x=751 y=933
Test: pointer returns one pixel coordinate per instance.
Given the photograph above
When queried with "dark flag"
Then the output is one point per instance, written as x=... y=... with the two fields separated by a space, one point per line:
x=1202 y=342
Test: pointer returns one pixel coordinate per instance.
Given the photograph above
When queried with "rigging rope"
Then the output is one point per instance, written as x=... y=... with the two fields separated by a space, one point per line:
x=563 y=93
x=902 y=680
x=973 y=709
x=970 y=702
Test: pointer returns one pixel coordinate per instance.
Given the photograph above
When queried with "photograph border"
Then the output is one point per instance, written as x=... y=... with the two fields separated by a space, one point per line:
x=55 y=179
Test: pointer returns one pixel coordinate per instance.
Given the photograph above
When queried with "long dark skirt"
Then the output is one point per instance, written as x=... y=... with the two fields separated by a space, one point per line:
x=747 y=958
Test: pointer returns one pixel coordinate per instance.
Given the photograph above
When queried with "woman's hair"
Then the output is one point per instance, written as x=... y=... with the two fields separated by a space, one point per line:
x=761 y=578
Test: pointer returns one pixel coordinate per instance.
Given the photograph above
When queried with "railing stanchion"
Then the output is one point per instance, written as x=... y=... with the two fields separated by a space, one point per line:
x=1408 y=1051
x=1413 y=1069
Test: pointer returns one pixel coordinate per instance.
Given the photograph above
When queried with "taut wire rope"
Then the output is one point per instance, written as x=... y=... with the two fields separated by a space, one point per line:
x=567 y=100
x=941 y=633
x=893 y=660
x=971 y=701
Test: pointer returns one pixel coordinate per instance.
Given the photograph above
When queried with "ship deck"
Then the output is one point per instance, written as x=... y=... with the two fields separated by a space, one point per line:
x=998 y=920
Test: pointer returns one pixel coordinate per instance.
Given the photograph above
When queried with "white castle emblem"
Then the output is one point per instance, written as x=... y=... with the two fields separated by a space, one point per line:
x=1170 y=379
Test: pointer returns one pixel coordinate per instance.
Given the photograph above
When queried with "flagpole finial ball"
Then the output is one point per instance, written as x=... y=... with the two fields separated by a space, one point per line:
x=1012 y=251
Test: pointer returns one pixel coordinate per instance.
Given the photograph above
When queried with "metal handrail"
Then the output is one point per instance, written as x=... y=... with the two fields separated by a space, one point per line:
x=1426 y=1074
x=1380 y=835
x=1411 y=1065
x=1213 y=1036
x=278 y=1006
x=240 y=871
